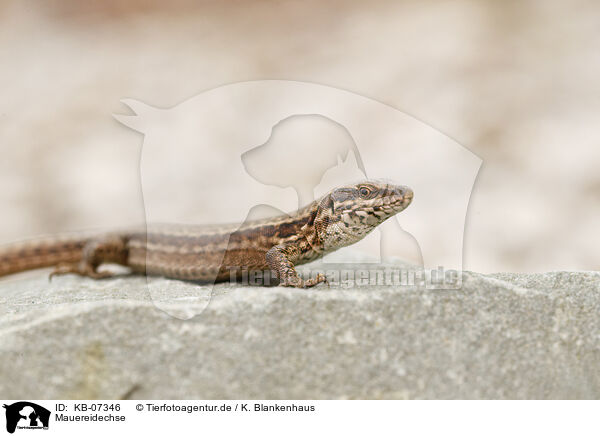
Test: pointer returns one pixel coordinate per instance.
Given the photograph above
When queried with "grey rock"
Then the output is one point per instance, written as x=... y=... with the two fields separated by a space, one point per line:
x=519 y=336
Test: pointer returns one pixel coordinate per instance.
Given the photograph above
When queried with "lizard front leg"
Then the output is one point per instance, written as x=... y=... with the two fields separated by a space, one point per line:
x=108 y=249
x=280 y=259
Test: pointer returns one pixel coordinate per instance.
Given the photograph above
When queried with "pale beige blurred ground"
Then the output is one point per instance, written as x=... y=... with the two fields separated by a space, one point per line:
x=515 y=82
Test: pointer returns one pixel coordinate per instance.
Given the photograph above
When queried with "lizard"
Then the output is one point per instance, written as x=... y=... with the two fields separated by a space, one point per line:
x=340 y=218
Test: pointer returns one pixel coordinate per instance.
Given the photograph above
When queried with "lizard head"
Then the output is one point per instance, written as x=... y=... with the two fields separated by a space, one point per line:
x=348 y=213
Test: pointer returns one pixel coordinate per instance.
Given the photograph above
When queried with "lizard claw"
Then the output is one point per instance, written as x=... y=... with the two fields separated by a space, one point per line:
x=320 y=278
x=62 y=269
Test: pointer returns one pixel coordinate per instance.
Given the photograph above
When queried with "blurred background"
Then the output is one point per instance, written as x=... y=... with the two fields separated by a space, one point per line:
x=514 y=82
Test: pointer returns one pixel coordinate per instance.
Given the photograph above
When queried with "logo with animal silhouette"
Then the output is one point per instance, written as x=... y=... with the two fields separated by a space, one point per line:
x=26 y=415
x=262 y=149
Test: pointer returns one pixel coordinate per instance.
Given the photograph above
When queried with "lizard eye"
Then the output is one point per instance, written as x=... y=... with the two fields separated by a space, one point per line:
x=364 y=191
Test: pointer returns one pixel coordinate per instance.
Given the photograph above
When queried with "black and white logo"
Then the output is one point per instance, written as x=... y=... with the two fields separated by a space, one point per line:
x=26 y=415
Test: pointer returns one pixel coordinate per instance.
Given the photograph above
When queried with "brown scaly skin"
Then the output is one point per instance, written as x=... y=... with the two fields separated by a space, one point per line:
x=217 y=253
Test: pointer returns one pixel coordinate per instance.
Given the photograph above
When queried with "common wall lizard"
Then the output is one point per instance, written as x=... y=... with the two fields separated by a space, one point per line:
x=342 y=217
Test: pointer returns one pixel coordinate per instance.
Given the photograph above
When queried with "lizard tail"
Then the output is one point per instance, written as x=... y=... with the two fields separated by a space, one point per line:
x=40 y=253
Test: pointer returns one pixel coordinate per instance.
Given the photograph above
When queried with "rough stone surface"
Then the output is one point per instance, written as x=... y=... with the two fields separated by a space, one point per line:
x=500 y=336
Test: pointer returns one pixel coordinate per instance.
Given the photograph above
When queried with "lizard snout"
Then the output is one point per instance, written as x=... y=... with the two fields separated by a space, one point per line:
x=403 y=192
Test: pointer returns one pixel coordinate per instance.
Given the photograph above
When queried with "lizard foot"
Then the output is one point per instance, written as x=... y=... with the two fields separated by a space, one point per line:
x=320 y=278
x=81 y=269
x=297 y=282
